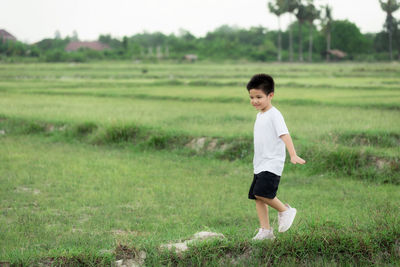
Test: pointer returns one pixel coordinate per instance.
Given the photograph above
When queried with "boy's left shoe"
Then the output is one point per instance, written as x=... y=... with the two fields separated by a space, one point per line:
x=264 y=234
x=285 y=218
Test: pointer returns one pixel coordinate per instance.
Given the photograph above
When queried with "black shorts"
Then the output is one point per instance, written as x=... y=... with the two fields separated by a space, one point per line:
x=265 y=184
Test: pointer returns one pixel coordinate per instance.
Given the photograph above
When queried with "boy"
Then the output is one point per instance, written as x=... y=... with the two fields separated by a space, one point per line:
x=270 y=137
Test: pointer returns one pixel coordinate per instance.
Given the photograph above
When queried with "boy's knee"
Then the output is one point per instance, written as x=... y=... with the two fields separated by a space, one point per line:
x=264 y=199
x=257 y=199
x=260 y=199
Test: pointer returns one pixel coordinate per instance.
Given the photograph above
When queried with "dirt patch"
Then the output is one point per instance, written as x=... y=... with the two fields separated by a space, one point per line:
x=235 y=260
x=201 y=143
x=129 y=256
x=180 y=247
x=225 y=147
x=76 y=230
x=378 y=139
x=384 y=163
x=397 y=247
x=84 y=218
x=79 y=260
x=209 y=144
x=212 y=145
x=49 y=128
x=22 y=189
x=197 y=143
x=124 y=232
x=380 y=164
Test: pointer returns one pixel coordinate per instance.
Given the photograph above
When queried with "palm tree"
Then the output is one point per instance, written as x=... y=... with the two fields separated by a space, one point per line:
x=327 y=28
x=290 y=7
x=390 y=7
x=311 y=14
x=301 y=16
x=396 y=37
x=278 y=9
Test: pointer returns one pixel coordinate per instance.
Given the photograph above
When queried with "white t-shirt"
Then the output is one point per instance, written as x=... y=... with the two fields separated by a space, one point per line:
x=269 y=149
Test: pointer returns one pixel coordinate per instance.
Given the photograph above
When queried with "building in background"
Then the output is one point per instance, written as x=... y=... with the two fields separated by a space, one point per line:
x=336 y=54
x=73 y=46
x=6 y=36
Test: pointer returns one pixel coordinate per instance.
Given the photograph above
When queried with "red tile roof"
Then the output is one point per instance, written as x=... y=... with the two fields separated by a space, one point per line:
x=337 y=53
x=73 y=46
x=6 y=35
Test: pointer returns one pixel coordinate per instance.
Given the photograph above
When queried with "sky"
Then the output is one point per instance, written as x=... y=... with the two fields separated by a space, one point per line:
x=33 y=20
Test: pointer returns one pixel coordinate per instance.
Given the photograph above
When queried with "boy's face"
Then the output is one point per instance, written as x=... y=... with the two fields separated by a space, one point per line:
x=260 y=100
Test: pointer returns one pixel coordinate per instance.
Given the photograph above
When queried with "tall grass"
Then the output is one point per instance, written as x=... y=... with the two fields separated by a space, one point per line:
x=364 y=163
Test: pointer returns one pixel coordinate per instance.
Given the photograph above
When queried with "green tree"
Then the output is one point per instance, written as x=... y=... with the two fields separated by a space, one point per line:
x=112 y=42
x=301 y=16
x=327 y=28
x=278 y=9
x=312 y=13
x=396 y=37
x=390 y=6
x=346 y=36
x=74 y=36
x=57 y=34
x=52 y=44
x=125 y=43
x=290 y=6
x=12 y=48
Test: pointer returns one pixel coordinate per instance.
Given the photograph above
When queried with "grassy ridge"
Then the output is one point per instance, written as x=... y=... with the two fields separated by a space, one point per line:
x=340 y=160
x=195 y=118
x=391 y=104
x=243 y=70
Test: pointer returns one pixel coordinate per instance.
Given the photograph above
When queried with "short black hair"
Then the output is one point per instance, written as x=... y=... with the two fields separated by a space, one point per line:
x=262 y=82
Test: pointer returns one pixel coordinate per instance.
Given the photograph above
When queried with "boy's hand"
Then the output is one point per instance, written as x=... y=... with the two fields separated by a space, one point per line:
x=290 y=147
x=296 y=159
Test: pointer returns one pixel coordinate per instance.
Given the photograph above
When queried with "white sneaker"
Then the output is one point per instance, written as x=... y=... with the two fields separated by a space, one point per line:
x=285 y=218
x=264 y=234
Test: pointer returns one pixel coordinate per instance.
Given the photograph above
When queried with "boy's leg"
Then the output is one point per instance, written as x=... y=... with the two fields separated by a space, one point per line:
x=274 y=202
x=262 y=212
x=286 y=214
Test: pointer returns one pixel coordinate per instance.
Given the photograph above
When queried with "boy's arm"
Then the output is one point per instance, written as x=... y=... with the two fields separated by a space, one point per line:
x=290 y=147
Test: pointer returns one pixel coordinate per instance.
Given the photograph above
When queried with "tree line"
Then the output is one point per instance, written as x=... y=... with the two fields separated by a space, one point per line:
x=307 y=13
x=313 y=31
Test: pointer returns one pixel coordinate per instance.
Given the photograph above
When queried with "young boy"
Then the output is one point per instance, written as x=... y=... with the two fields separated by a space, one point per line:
x=270 y=137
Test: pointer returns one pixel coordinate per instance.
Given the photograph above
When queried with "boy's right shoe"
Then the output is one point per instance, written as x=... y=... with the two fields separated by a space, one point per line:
x=264 y=234
x=285 y=218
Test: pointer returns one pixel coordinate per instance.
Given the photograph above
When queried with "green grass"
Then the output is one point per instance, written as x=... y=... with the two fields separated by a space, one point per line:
x=96 y=162
x=198 y=118
x=372 y=161
x=92 y=197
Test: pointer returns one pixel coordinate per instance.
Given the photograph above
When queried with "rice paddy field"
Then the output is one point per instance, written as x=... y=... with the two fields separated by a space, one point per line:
x=102 y=161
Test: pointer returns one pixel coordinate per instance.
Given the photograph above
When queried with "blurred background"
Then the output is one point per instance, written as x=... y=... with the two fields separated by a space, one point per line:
x=252 y=30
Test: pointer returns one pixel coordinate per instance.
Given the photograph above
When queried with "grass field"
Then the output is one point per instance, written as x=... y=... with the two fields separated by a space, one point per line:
x=102 y=156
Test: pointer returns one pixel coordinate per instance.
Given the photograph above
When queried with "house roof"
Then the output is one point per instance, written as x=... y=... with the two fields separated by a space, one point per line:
x=73 y=46
x=337 y=53
x=5 y=35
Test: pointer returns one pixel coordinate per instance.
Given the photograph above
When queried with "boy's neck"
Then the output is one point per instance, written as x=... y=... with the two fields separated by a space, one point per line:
x=266 y=109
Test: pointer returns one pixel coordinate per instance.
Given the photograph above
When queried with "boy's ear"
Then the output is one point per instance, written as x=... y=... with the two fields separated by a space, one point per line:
x=271 y=94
